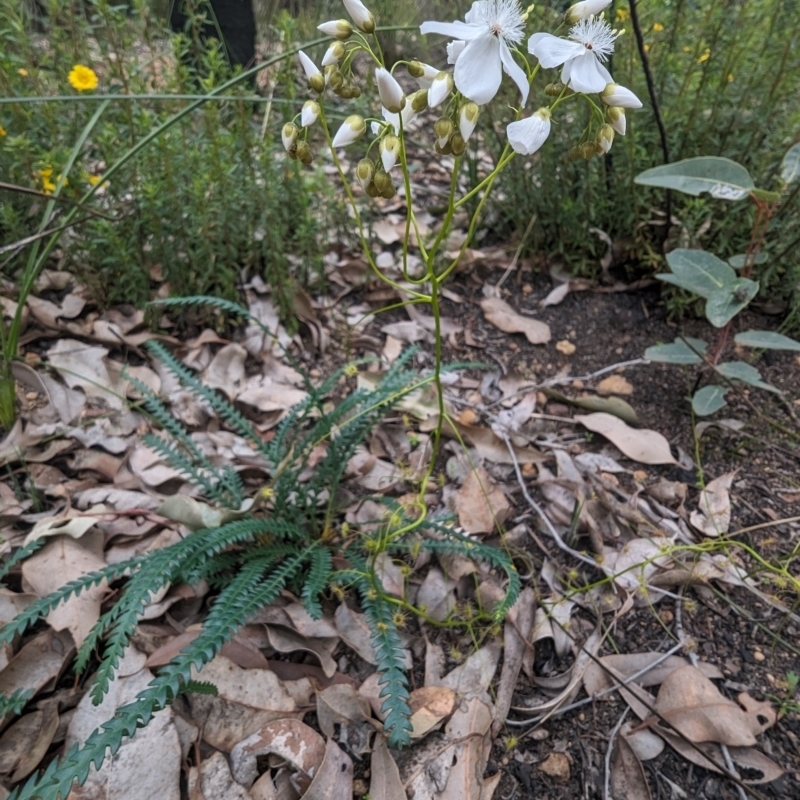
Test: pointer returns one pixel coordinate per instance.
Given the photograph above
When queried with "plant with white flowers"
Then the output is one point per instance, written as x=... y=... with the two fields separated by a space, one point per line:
x=489 y=43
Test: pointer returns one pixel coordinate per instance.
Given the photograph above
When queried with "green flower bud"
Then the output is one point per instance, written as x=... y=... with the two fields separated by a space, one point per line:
x=389 y=192
x=389 y=148
x=382 y=181
x=335 y=78
x=365 y=169
x=468 y=119
x=457 y=144
x=372 y=190
x=352 y=129
x=615 y=117
x=555 y=90
x=443 y=128
x=574 y=153
x=289 y=136
x=444 y=151
x=419 y=101
x=587 y=150
x=303 y=153
x=317 y=83
x=604 y=138
x=415 y=69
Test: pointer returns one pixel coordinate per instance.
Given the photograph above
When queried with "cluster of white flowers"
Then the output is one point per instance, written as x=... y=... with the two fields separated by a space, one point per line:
x=484 y=47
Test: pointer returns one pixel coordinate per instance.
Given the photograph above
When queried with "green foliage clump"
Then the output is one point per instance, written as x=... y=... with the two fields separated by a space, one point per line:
x=284 y=539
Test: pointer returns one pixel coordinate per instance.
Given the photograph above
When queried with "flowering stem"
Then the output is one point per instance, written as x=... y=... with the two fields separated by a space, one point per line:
x=505 y=158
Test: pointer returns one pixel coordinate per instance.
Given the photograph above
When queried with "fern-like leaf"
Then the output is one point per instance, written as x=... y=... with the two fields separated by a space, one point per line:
x=317 y=580
x=19 y=555
x=12 y=705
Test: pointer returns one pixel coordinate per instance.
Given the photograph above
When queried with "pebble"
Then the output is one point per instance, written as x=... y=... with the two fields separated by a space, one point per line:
x=758 y=655
x=556 y=765
x=360 y=787
x=557 y=409
x=566 y=347
x=31 y=395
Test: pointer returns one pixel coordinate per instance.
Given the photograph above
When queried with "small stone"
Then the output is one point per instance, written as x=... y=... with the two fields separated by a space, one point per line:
x=614 y=384
x=577 y=384
x=530 y=470
x=314 y=373
x=640 y=476
x=758 y=655
x=557 y=409
x=666 y=616
x=541 y=399
x=527 y=289
x=467 y=417
x=539 y=734
x=556 y=765
x=566 y=347
x=31 y=395
x=360 y=787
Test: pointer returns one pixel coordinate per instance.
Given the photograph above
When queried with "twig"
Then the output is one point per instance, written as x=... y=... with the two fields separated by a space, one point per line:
x=514 y=260
x=609 y=752
x=770 y=524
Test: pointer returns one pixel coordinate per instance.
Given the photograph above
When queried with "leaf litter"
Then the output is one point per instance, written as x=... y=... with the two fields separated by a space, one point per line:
x=283 y=665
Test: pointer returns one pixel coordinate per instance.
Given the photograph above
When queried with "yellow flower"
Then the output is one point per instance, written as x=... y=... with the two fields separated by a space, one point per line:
x=647 y=48
x=46 y=177
x=687 y=49
x=82 y=79
x=622 y=14
x=706 y=55
x=93 y=179
x=2 y=132
x=22 y=71
x=658 y=27
x=730 y=77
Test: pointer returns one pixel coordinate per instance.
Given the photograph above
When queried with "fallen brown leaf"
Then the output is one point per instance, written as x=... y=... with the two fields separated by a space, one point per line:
x=480 y=504
x=713 y=515
x=645 y=446
x=502 y=316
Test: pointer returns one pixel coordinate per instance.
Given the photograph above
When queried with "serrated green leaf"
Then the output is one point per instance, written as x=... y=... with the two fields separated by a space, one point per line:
x=725 y=304
x=768 y=340
x=708 y=400
x=698 y=271
x=738 y=261
x=790 y=166
x=677 y=352
x=720 y=177
x=740 y=371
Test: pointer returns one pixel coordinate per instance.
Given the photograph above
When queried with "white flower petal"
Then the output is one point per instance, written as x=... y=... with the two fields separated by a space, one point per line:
x=552 y=51
x=526 y=136
x=616 y=95
x=390 y=91
x=458 y=30
x=440 y=89
x=586 y=74
x=585 y=9
x=360 y=14
x=454 y=50
x=478 y=71
x=309 y=67
x=429 y=73
x=514 y=71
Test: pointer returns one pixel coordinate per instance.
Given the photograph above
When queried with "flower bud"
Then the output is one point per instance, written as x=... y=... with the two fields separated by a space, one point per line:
x=340 y=29
x=441 y=87
x=389 y=149
x=372 y=190
x=443 y=129
x=585 y=9
x=392 y=97
x=316 y=79
x=335 y=79
x=604 y=138
x=419 y=101
x=353 y=92
x=382 y=181
x=616 y=95
x=615 y=117
x=574 y=153
x=360 y=15
x=334 y=54
x=365 y=170
x=415 y=69
x=351 y=130
x=446 y=150
x=303 y=153
x=389 y=192
x=424 y=73
x=289 y=136
x=587 y=150
x=468 y=119
x=553 y=89
x=310 y=113
x=457 y=144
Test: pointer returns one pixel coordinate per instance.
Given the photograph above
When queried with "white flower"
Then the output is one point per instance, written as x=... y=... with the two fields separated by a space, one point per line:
x=351 y=130
x=590 y=43
x=338 y=28
x=585 y=9
x=616 y=95
x=604 y=138
x=310 y=113
x=289 y=134
x=425 y=74
x=360 y=14
x=389 y=149
x=526 y=136
x=333 y=54
x=616 y=119
x=490 y=27
x=467 y=120
x=440 y=88
x=407 y=114
x=309 y=67
x=454 y=50
x=389 y=89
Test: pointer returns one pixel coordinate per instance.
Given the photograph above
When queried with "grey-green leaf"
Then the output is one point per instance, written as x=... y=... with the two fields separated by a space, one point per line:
x=724 y=304
x=790 y=166
x=739 y=371
x=738 y=261
x=768 y=340
x=698 y=271
x=708 y=400
x=678 y=352
x=720 y=177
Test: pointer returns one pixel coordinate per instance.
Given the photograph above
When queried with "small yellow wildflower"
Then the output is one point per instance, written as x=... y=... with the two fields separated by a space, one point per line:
x=94 y=180
x=687 y=49
x=658 y=27
x=46 y=177
x=82 y=79
x=351 y=370
x=23 y=72
x=2 y=132
x=647 y=48
x=705 y=56
x=730 y=77
x=622 y=14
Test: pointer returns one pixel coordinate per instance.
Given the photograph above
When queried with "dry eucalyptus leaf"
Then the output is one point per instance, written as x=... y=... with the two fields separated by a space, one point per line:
x=694 y=706
x=429 y=706
x=385 y=783
x=480 y=503
x=713 y=515
x=60 y=561
x=226 y=370
x=25 y=743
x=472 y=678
x=334 y=779
x=290 y=739
x=502 y=316
x=88 y=368
x=213 y=779
x=646 y=744
x=639 y=444
x=285 y=640
x=342 y=705
x=628 y=779
x=73 y=523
